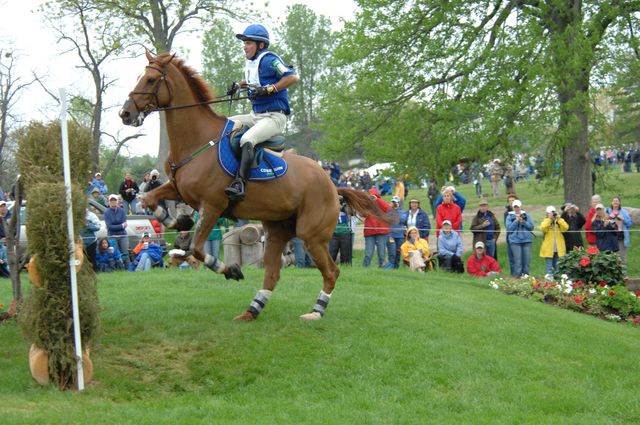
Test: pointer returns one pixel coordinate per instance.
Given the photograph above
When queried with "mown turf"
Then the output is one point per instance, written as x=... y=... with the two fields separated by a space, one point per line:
x=394 y=348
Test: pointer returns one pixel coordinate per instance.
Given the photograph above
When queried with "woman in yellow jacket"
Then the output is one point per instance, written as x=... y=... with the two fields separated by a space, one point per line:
x=553 y=246
x=413 y=242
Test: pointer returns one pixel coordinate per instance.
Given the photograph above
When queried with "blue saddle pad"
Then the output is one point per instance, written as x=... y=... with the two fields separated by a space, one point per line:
x=267 y=166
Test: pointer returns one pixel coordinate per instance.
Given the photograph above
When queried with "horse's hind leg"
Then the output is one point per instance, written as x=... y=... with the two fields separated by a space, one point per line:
x=317 y=247
x=278 y=234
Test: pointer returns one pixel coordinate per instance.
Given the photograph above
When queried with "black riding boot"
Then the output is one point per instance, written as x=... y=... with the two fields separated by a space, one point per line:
x=235 y=191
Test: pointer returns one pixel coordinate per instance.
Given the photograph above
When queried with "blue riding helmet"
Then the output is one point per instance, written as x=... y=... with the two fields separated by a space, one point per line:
x=255 y=32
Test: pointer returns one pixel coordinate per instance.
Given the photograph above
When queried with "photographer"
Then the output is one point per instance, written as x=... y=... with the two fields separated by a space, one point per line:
x=553 y=246
x=605 y=230
x=622 y=218
x=519 y=229
x=128 y=190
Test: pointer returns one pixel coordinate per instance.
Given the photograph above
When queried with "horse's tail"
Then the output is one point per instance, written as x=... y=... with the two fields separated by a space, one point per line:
x=362 y=203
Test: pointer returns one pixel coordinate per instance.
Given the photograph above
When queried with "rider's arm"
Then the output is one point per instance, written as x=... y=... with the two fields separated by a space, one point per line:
x=286 y=81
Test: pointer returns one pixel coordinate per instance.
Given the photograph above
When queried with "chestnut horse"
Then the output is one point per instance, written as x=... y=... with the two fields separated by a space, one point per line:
x=303 y=202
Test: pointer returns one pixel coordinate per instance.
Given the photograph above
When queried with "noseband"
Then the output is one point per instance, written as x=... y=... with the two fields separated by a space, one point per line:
x=150 y=107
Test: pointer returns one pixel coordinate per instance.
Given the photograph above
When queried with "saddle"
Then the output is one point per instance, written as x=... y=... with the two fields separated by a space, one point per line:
x=267 y=164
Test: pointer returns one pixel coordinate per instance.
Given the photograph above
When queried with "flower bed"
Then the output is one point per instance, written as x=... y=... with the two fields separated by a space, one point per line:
x=592 y=283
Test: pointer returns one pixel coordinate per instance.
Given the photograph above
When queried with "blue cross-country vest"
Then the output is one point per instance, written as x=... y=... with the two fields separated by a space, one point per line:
x=264 y=69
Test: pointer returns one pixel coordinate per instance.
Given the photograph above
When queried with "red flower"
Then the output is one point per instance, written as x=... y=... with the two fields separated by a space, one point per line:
x=603 y=284
x=612 y=292
x=592 y=250
x=577 y=300
x=637 y=294
x=580 y=283
x=537 y=286
x=585 y=261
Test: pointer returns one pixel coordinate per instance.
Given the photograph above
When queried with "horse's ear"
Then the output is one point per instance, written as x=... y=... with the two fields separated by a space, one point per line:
x=150 y=57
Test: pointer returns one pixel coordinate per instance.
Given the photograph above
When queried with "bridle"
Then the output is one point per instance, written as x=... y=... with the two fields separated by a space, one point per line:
x=151 y=107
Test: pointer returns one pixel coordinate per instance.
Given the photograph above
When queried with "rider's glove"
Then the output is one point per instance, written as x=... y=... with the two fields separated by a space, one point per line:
x=233 y=89
x=265 y=90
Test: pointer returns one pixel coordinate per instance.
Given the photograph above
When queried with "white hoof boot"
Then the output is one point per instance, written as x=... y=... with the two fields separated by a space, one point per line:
x=314 y=315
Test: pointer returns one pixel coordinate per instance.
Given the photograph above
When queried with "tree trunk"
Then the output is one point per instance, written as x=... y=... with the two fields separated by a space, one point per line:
x=13 y=245
x=576 y=160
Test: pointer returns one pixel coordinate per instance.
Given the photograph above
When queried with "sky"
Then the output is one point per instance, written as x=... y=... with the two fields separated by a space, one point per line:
x=34 y=49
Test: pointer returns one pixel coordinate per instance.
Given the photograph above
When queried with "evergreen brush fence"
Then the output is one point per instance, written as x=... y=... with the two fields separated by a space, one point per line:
x=46 y=314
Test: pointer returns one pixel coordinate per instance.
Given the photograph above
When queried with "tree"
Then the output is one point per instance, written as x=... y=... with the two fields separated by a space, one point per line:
x=159 y=22
x=496 y=76
x=95 y=37
x=10 y=88
x=307 y=42
x=222 y=61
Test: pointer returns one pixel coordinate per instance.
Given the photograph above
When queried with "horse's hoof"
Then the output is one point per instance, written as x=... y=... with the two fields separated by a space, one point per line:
x=314 y=315
x=233 y=272
x=245 y=317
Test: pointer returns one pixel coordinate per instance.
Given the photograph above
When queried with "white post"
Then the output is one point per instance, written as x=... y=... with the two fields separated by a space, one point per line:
x=72 y=258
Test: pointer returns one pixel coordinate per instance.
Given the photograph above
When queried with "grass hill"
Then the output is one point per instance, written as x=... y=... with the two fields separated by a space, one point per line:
x=394 y=348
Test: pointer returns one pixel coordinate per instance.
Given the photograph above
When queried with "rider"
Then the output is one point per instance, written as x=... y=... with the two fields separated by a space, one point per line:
x=267 y=79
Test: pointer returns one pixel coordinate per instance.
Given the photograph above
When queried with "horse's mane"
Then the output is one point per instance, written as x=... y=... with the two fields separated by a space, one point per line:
x=199 y=86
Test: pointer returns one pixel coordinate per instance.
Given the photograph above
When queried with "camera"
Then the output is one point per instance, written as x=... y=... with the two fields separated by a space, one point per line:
x=154 y=177
x=555 y=214
x=523 y=216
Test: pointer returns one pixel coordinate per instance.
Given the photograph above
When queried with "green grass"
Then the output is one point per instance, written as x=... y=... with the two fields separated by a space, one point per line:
x=394 y=348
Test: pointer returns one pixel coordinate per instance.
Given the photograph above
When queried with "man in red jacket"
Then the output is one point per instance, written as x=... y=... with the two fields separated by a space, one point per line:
x=480 y=264
x=376 y=232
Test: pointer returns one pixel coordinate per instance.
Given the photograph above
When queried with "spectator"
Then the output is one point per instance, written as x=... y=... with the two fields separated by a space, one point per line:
x=433 y=194
x=588 y=225
x=448 y=211
x=341 y=241
x=622 y=218
x=108 y=258
x=458 y=198
x=509 y=180
x=5 y=215
x=415 y=216
x=128 y=191
x=397 y=235
x=553 y=245
x=116 y=221
x=91 y=226
x=376 y=233
x=450 y=249
x=212 y=244
x=95 y=195
x=154 y=181
x=415 y=246
x=574 y=218
x=495 y=173
x=399 y=191
x=182 y=251
x=520 y=227
x=145 y=181
x=480 y=264
x=605 y=230
x=148 y=254
x=508 y=209
x=486 y=229
x=98 y=183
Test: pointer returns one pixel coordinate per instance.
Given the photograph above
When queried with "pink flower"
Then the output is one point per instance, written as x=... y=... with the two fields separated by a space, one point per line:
x=592 y=250
x=585 y=261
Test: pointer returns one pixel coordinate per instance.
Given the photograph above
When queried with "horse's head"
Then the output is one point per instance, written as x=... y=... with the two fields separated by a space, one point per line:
x=150 y=93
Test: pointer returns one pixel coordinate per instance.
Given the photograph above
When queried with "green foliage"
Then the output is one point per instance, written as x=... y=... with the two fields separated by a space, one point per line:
x=307 y=45
x=223 y=62
x=46 y=315
x=40 y=152
x=592 y=266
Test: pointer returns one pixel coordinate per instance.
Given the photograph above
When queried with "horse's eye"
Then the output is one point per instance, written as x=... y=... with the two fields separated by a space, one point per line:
x=151 y=80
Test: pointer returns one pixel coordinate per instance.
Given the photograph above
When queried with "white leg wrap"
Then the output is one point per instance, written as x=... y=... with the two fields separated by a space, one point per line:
x=213 y=263
x=259 y=302
x=163 y=217
x=319 y=308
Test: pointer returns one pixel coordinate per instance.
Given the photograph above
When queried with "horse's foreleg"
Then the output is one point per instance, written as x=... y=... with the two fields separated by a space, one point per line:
x=151 y=199
x=206 y=221
x=277 y=238
x=330 y=273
